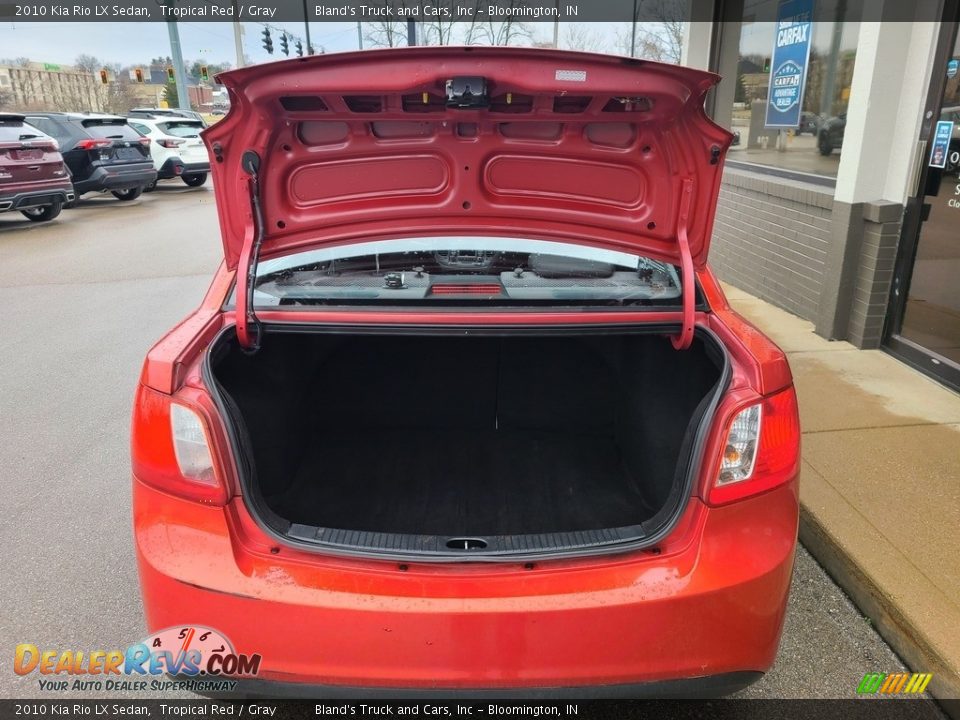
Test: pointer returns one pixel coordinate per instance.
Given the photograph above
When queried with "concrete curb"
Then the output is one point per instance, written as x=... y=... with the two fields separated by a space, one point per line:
x=900 y=633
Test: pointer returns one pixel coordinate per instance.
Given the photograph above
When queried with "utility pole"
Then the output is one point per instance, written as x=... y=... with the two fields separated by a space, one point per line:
x=359 y=36
x=306 y=26
x=411 y=32
x=237 y=36
x=179 y=71
x=556 y=26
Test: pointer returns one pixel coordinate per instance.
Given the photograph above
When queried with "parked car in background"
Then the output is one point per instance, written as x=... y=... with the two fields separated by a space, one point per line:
x=830 y=135
x=176 y=148
x=166 y=112
x=809 y=123
x=465 y=408
x=33 y=176
x=103 y=153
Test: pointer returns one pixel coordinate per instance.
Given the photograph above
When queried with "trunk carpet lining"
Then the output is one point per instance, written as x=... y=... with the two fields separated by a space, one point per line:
x=457 y=482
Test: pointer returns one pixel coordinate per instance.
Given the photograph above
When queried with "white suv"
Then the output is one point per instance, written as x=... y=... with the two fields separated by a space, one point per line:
x=176 y=148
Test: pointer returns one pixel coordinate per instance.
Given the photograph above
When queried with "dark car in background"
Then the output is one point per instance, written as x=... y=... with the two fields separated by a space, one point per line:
x=830 y=136
x=102 y=152
x=33 y=177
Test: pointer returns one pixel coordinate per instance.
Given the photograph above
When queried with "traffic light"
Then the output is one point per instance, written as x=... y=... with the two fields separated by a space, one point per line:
x=171 y=78
x=284 y=46
x=204 y=75
x=299 y=47
x=138 y=73
x=766 y=65
x=267 y=41
x=103 y=76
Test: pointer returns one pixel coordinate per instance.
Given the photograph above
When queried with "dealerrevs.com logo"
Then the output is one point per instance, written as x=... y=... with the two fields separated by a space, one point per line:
x=199 y=658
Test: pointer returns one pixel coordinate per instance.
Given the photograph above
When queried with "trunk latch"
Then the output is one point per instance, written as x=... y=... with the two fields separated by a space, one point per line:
x=687 y=279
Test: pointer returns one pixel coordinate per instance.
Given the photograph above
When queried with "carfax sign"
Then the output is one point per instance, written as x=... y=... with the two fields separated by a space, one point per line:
x=788 y=66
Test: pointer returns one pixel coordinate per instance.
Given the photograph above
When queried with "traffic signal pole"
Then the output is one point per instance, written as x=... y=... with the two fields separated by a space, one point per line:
x=237 y=38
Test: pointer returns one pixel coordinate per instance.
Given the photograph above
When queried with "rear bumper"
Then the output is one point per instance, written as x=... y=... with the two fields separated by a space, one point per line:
x=711 y=604
x=117 y=177
x=196 y=168
x=37 y=197
x=171 y=168
x=710 y=686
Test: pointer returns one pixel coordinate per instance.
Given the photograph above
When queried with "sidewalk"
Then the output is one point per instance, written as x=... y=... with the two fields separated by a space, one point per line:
x=880 y=488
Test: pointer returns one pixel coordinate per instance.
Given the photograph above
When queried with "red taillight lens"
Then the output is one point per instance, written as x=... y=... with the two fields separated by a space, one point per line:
x=145 y=141
x=93 y=144
x=761 y=449
x=171 y=449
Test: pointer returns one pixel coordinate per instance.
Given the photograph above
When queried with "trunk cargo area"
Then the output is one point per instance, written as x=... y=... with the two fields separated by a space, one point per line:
x=465 y=439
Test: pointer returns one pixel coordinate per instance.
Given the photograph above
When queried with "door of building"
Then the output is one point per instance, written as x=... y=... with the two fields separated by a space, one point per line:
x=923 y=324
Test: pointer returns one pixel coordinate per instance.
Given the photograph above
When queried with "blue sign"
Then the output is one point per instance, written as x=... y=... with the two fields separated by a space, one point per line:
x=941 y=144
x=788 y=66
x=952 y=65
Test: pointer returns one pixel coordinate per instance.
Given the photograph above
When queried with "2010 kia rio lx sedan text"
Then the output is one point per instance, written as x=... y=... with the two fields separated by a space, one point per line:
x=464 y=409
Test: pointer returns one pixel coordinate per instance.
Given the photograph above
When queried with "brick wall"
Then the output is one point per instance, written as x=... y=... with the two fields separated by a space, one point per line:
x=874 y=273
x=771 y=237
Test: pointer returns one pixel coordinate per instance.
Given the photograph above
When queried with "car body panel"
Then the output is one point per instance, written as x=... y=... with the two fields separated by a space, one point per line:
x=586 y=147
x=712 y=601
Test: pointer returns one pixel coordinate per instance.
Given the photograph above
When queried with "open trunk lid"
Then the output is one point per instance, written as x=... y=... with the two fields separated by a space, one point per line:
x=597 y=149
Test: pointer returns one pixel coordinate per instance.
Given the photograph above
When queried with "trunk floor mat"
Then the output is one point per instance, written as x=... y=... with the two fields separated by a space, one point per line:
x=429 y=482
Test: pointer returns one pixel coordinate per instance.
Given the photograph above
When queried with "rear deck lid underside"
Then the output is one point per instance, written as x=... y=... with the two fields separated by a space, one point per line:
x=472 y=141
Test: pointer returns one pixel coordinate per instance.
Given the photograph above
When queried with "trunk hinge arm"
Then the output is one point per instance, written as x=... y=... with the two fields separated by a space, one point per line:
x=249 y=330
x=687 y=279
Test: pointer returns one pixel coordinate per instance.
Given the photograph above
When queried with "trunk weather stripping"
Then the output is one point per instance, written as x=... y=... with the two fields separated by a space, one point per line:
x=687 y=281
x=249 y=331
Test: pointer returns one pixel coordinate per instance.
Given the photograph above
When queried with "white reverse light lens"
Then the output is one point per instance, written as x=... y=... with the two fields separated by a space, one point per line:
x=740 y=451
x=190 y=445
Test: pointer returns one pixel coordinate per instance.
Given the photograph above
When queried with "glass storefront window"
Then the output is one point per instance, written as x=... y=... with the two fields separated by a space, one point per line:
x=816 y=145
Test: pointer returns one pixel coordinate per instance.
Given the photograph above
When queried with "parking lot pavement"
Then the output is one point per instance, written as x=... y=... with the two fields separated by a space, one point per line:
x=82 y=299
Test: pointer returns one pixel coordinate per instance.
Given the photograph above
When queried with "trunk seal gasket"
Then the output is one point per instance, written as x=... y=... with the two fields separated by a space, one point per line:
x=391 y=545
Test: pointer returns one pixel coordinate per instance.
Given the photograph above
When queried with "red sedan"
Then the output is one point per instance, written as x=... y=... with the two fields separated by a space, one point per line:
x=465 y=410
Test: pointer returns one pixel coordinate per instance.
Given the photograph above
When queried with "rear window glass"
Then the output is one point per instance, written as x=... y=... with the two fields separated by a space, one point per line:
x=14 y=130
x=461 y=270
x=181 y=128
x=111 y=131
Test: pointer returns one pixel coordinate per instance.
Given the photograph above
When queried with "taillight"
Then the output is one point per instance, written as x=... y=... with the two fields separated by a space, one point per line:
x=171 y=449
x=93 y=143
x=164 y=142
x=761 y=449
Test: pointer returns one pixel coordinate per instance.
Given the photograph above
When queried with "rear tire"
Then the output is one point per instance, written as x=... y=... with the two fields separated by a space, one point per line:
x=194 y=180
x=40 y=214
x=128 y=194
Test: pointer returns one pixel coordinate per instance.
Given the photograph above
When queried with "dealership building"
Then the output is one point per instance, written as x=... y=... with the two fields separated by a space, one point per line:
x=850 y=219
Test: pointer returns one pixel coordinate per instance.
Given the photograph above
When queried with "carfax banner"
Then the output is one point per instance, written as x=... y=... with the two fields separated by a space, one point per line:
x=788 y=65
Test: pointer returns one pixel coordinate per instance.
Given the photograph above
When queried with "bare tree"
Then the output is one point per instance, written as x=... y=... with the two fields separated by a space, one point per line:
x=657 y=31
x=441 y=27
x=87 y=63
x=385 y=33
x=6 y=99
x=508 y=32
x=578 y=36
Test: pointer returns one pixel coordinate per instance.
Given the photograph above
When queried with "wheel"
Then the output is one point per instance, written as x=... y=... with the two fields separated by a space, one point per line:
x=824 y=145
x=47 y=212
x=194 y=180
x=128 y=194
x=151 y=187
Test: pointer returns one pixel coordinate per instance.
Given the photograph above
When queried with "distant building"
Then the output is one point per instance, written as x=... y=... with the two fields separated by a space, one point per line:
x=47 y=86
